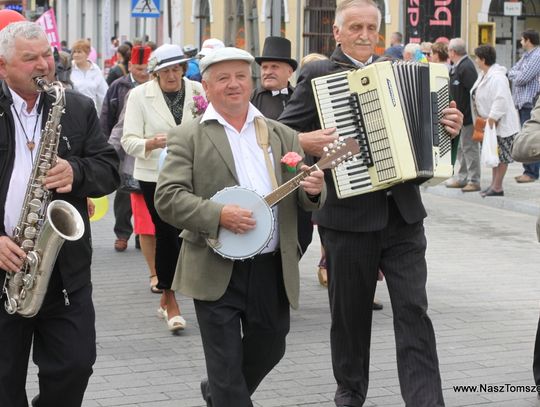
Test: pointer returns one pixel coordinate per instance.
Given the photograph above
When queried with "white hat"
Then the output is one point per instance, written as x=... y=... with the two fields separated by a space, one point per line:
x=225 y=54
x=210 y=45
x=167 y=55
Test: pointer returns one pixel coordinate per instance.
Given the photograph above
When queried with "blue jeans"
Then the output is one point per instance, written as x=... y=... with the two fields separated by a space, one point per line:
x=531 y=169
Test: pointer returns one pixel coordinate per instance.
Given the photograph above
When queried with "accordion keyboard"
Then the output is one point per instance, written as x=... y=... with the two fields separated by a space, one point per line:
x=335 y=110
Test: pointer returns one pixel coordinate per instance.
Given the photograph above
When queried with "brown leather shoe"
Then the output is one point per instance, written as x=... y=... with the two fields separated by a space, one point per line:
x=471 y=187
x=524 y=178
x=120 y=244
x=455 y=184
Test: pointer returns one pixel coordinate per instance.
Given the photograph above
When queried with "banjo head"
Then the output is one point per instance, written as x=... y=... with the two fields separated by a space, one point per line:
x=246 y=245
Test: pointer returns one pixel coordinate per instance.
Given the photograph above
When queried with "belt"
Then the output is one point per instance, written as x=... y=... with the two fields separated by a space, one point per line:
x=264 y=257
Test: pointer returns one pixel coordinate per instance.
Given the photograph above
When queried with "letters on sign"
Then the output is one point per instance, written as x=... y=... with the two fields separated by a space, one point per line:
x=428 y=20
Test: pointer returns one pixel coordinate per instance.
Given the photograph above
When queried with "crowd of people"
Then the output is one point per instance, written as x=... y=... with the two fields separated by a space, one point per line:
x=168 y=129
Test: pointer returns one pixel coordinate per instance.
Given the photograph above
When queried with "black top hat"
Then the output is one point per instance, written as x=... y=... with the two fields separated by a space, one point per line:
x=277 y=49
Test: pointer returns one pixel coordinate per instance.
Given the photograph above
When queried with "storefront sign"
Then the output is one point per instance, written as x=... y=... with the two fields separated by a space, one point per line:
x=512 y=8
x=429 y=20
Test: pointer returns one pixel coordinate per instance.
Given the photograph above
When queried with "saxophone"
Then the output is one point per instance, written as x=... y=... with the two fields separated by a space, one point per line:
x=43 y=224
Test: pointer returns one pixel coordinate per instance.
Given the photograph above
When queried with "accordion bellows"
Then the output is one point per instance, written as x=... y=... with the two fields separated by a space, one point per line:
x=393 y=110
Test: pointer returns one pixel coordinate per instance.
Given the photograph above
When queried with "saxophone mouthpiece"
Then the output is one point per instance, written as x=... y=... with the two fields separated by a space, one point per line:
x=41 y=83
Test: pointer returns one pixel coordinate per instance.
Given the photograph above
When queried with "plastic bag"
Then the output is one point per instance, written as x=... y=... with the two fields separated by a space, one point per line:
x=161 y=159
x=489 y=155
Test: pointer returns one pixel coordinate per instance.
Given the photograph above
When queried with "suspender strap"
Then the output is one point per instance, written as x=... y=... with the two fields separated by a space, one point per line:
x=261 y=130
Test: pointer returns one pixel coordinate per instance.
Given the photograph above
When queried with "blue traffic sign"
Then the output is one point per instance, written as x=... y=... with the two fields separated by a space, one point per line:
x=145 y=8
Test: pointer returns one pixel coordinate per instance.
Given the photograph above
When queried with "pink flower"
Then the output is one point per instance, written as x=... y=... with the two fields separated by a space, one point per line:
x=291 y=160
x=199 y=105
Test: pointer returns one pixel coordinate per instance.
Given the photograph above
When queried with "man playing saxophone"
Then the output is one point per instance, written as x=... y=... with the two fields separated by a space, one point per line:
x=63 y=331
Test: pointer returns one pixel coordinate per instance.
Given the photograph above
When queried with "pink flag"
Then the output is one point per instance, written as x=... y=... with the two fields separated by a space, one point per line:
x=48 y=22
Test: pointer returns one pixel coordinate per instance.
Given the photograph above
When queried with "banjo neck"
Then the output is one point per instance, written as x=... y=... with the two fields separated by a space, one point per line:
x=291 y=185
x=335 y=153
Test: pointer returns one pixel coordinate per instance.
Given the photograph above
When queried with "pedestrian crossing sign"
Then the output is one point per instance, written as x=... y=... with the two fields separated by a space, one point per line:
x=145 y=8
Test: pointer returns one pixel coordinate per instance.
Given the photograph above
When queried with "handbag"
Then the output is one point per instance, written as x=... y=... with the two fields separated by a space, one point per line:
x=479 y=126
x=129 y=184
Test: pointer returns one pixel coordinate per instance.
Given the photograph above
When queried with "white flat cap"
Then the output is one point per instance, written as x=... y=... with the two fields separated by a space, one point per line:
x=225 y=54
x=210 y=45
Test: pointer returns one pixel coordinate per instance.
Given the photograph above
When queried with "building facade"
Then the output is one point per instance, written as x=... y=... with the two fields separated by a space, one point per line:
x=307 y=23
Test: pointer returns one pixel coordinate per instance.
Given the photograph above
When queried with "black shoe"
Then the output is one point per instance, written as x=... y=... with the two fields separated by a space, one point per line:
x=35 y=401
x=377 y=306
x=206 y=392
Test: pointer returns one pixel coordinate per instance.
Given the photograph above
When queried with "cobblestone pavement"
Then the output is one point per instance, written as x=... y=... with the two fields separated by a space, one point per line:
x=484 y=296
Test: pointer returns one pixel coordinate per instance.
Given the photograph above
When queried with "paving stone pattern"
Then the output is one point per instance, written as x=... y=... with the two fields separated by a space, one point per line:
x=484 y=295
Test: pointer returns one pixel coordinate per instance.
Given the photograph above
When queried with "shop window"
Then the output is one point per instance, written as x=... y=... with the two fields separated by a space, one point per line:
x=235 y=24
x=203 y=17
x=318 y=21
x=275 y=9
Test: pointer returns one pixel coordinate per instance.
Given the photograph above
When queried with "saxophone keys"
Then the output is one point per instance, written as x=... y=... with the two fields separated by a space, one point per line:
x=32 y=218
x=30 y=232
x=35 y=204
x=38 y=192
x=27 y=244
x=10 y=305
x=28 y=282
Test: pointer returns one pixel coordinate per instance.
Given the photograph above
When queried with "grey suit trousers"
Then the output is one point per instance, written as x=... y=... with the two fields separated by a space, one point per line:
x=468 y=157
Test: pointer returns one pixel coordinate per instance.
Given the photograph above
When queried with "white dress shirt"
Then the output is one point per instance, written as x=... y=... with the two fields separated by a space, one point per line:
x=22 y=166
x=249 y=160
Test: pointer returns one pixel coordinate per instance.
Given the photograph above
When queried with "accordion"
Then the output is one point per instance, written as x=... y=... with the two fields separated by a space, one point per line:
x=393 y=110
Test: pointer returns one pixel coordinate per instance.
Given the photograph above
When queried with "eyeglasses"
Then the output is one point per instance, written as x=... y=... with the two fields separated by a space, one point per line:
x=427 y=54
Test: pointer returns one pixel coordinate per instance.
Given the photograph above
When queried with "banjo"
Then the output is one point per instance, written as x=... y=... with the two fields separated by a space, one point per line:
x=246 y=245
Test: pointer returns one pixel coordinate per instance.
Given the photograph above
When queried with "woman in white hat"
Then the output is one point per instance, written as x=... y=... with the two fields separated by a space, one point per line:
x=152 y=109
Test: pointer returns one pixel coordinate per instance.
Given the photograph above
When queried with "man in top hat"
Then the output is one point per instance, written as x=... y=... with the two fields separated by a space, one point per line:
x=110 y=113
x=270 y=98
x=242 y=306
x=277 y=66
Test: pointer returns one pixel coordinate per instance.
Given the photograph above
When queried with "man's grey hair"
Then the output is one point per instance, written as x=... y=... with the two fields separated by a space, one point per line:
x=458 y=46
x=346 y=4
x=22 y=29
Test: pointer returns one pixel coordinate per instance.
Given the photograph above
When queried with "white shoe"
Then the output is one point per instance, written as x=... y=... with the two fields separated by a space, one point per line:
x=162 y=313
x=176 y=323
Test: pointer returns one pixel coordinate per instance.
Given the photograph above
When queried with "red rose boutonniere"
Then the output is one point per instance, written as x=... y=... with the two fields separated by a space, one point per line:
x=291 y=160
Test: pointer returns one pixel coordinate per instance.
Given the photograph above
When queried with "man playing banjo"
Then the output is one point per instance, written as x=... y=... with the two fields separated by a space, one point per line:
x=242 y=306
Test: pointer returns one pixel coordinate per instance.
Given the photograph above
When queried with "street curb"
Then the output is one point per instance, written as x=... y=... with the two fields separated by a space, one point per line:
x=507 y=203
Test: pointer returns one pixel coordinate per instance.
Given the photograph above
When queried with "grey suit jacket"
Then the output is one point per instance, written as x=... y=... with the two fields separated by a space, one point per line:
x=199 y=164
x=526 y=147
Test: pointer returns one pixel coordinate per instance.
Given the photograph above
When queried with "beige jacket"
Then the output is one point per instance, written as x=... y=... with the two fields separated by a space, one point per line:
x=147 y=114
x=200 y=163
